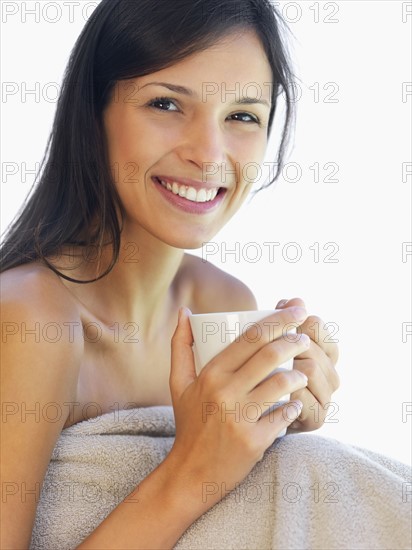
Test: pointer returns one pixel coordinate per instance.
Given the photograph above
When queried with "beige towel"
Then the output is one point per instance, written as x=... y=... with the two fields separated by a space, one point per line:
x=308 y=492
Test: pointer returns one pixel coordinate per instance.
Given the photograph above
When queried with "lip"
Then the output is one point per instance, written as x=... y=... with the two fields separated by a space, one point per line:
x=188 y=206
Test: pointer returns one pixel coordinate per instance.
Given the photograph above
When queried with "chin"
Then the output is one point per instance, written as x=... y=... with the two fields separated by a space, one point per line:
x=188 y=242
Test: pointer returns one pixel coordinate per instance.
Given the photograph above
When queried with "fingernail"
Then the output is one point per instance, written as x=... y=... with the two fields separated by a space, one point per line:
x=305 y=340
x=302 y=375
x=296 y=407
x=299 y=313
x=180 y=315
x=282 y=303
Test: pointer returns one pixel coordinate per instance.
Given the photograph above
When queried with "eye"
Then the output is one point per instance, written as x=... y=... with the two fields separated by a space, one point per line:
x=252 y=118
x=162 y=104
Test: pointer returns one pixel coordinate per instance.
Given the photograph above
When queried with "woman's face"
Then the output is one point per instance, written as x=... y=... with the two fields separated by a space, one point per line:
x=197 y=131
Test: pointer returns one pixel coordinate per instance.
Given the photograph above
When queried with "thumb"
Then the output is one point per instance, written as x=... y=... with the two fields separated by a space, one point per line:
x=182 y=370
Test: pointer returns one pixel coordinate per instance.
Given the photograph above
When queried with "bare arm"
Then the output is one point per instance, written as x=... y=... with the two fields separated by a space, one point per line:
x=34 y=372
x=155 y=515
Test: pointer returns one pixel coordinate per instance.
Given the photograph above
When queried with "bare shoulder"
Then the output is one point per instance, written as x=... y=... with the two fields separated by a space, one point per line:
x=41 y=328
x=40 y=322
x=215 y=290
x=30 y=282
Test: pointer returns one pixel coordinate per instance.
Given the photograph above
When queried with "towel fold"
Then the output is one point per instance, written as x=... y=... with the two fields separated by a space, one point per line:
x=307 y=492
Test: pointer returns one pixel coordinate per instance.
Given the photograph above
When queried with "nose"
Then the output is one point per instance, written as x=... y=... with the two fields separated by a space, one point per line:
x=204 y=144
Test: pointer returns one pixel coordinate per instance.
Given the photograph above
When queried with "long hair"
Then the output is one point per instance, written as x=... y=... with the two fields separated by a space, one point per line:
x=124 y=39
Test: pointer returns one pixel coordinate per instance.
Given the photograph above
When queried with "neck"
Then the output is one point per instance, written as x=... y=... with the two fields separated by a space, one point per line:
x=140 y=287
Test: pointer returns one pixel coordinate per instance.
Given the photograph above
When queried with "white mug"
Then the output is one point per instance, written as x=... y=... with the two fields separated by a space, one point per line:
x=213 y=332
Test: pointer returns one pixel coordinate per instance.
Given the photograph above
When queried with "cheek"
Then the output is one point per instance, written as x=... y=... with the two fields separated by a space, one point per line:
x=145 y=143
x=130 y=156
x=250 y=154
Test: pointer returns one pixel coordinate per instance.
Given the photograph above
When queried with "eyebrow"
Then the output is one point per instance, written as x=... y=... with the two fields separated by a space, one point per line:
x=186 y=91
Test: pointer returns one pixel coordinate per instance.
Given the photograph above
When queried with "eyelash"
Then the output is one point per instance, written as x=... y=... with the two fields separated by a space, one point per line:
x=152 y=103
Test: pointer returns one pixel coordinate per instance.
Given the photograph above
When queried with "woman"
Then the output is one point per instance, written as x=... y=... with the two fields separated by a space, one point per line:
x=145 y=160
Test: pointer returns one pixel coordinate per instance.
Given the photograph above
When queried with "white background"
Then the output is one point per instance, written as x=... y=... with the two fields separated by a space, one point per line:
x=366 y=132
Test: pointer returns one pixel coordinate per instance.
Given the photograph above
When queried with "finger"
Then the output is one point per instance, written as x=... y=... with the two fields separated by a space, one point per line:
x=268 y=358
x=317 y=330
x=318 y=388
x=281 y=383
x=182 y=370
x=258 y=335
x=291 y=302
x=270 y=425
x=317 y=354
x=313 y=413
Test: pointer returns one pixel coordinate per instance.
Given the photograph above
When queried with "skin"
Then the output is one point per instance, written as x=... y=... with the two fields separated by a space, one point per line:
x=148 y=293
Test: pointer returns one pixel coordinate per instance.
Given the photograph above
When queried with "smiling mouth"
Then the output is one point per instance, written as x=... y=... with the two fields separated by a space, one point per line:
x=190 y=193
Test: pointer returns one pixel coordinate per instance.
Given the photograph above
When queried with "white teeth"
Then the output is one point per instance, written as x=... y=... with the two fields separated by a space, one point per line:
x=190 y=193
x=201 y=195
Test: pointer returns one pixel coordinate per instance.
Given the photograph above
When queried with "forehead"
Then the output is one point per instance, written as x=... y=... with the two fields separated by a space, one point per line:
x=234 y=62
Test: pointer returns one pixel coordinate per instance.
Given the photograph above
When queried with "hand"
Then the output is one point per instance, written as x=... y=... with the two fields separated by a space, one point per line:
x=318 y=363
x=214 y=444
